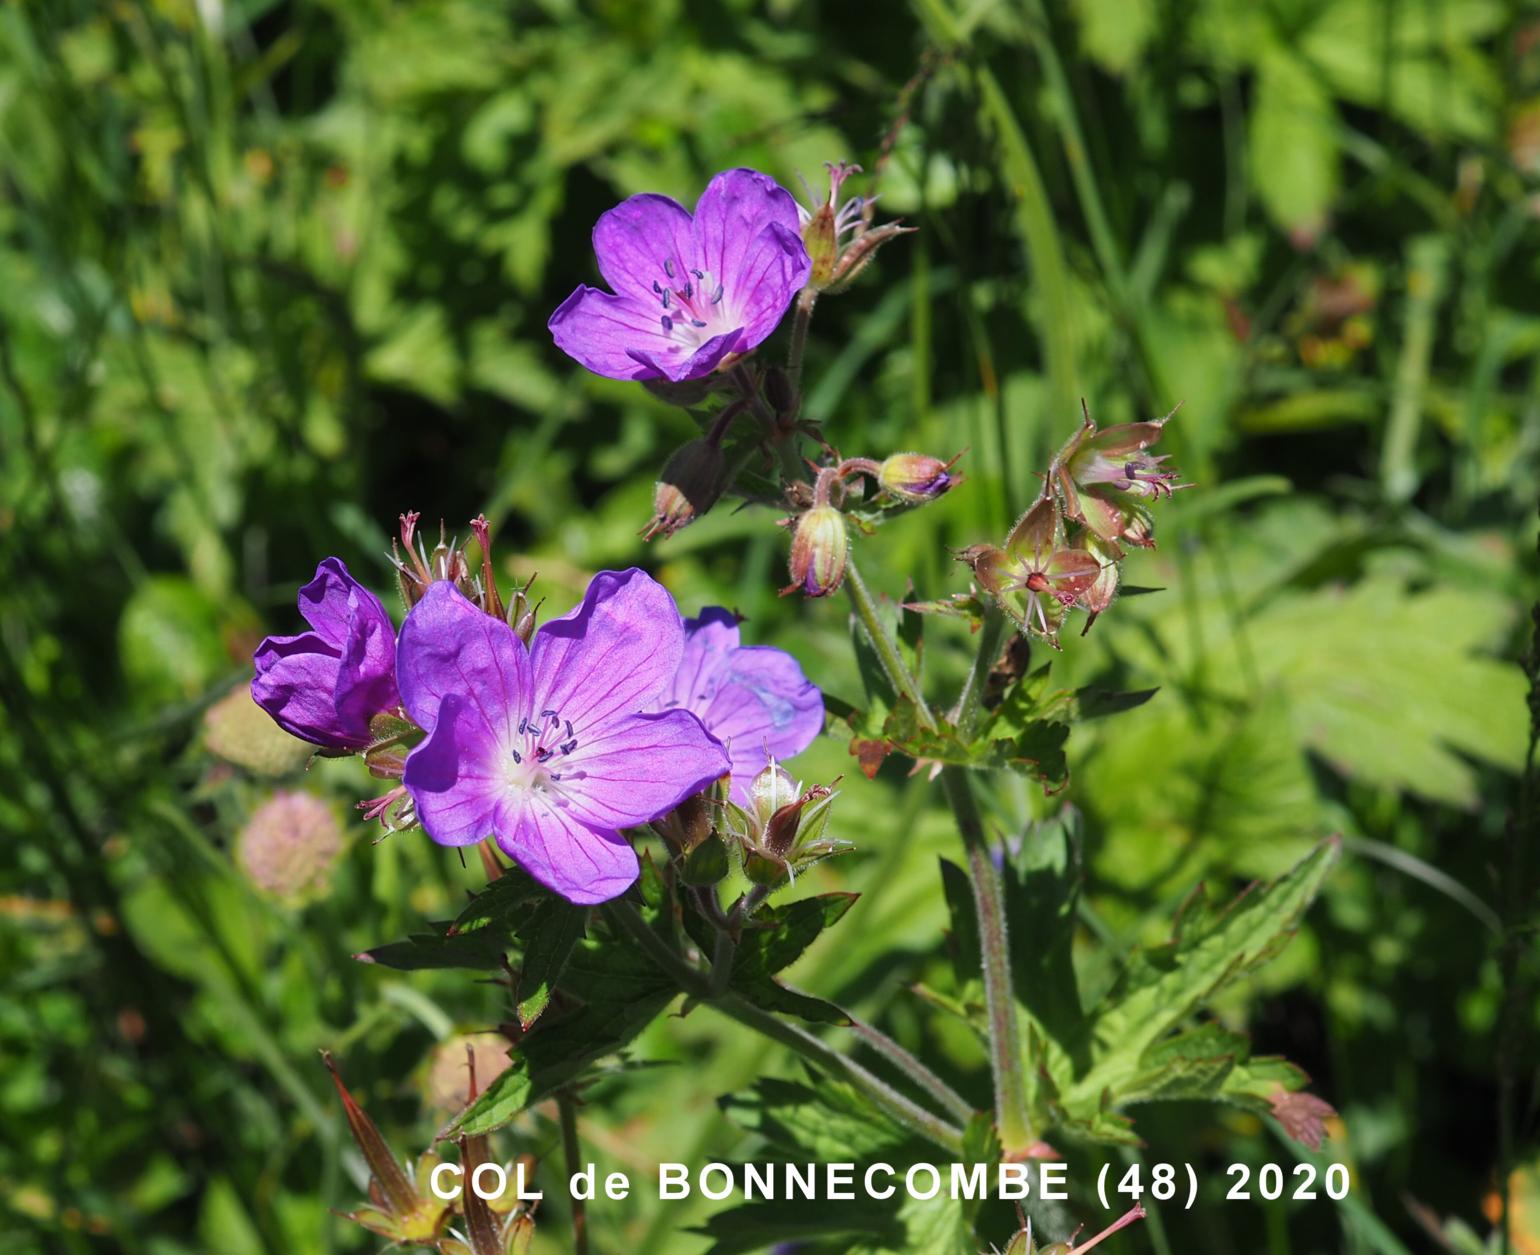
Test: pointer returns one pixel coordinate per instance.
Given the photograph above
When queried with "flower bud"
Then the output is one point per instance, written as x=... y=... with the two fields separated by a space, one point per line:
x=819 y=547
x=916 y=478
x=820 y=236
x=522 y=612
x=689 y=486
x=770 y=790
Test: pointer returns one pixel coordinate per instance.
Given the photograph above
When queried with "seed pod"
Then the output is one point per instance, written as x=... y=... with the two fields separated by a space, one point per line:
x=689 y=486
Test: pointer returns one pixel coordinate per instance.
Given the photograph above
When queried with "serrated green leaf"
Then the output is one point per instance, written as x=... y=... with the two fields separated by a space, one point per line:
x=824 y=1121
x=1161 y=988
x=502 y=905
x=437 y=949
x=754 y=1227
x=552 y=931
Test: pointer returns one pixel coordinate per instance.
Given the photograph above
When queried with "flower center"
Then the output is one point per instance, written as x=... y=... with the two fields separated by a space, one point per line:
x=540 y=744
x=691 y=301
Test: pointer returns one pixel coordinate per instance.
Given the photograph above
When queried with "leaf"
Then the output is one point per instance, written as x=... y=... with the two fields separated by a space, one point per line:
x=1293 y=144
x=1384 y=683
x=1161 y=988
x=438 y=949
x=825 y=1121
x=1114 y=33
x=776 y=939
x=1041 y=886
x=1094 y=702
x=754 y=1227
x=552 y=931
x=502 y=905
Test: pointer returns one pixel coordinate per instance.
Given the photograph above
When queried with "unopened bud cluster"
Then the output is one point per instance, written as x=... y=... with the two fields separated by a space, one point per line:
x=820 y=534
x=1064 y=553
x=781 y=831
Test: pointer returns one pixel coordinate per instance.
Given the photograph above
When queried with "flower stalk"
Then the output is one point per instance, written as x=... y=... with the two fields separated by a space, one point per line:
x=1014 y=1125
x=699 y=986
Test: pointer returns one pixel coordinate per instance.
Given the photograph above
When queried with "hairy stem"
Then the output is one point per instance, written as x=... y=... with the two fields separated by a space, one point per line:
x=914 y=1069
x=990 y=640
x=1005 y=1059
x=698 y=985
x=1004 y=1042
x=801 y=317
x=888 y=654
x=572 y=1153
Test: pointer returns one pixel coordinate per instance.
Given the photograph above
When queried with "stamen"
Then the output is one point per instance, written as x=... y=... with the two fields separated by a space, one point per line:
x=665 y=300
x=568 y=746
x=550 y=714
x=668 y=267
x=699 y=274
x=517 y=757
x=717 y=298
x=668 y=324
x=696 y=322
x=568 y=723
x=689 y=291
x=657 y=287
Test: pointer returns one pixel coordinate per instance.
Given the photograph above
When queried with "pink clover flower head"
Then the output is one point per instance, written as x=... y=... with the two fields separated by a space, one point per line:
x=688 y=291
x=555 y=748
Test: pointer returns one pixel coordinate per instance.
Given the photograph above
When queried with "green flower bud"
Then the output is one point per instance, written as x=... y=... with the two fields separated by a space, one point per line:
x=916 y=478
x=819 y=548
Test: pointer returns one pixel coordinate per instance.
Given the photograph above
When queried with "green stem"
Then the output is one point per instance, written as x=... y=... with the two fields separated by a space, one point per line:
x=722 y=962
x=697 y=985
x=888 y=654
x=785 y=442
x=572 y=1153
x=1005 y=1061
x=991 y=639
x=909 y=1114
x=999 y=995
x=913 y=1068
x=801 y=317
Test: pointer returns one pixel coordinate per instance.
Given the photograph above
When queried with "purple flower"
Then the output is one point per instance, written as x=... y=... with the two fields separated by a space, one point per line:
x=325 y=685
x=687 y=290
x=547 y=748
x=752 y=698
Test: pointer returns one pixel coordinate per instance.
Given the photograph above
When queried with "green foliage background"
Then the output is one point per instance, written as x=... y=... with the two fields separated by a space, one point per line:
x=274 y=272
